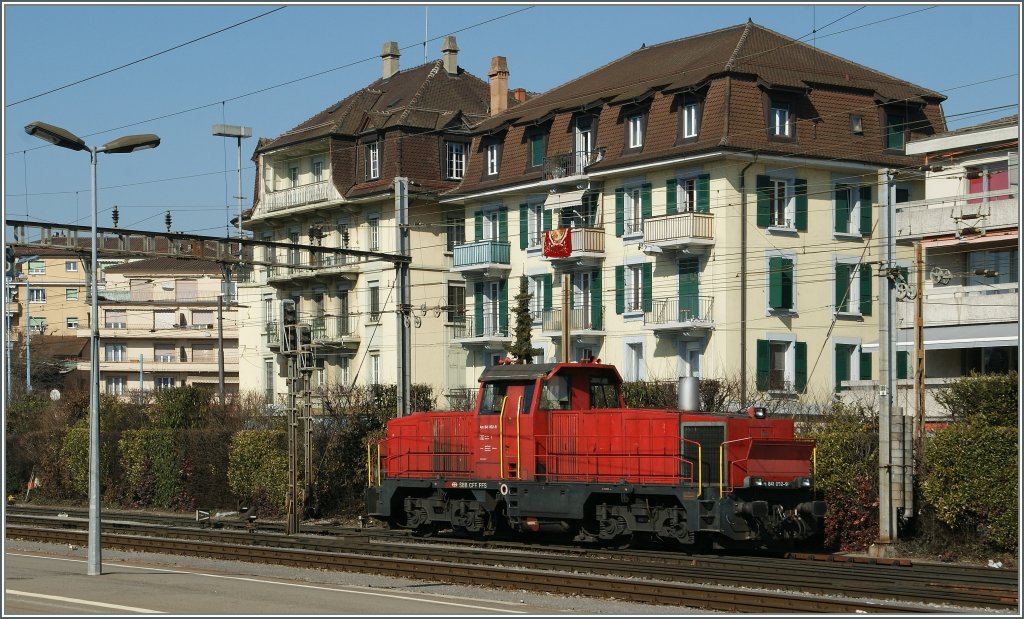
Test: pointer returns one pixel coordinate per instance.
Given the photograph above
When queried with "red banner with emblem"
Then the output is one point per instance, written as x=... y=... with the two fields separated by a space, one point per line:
x=558 y=243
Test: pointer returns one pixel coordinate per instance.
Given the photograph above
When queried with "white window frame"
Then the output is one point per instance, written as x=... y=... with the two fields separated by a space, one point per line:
x=36 y=267
x=492 y=308
x=537 y=302
x=691 y=124
x=855 y=350
x=161 y=383
x=373 y=232
x=636 y=130
x=634 y=288
x=108 y=324
x=491 y=223
x=780 y=124
x=686 y=194
x=37 y=324
x=632 y=210
x=70 y=266
x=582 y=283
x=455 y=160
x=373 y=158
x=789 y=371
x=493 y=163
x=160 y=354
x=374 y=368
x=853 y=301
x=293 y=175
x=71 y=322
x=343 y=375
x=115 y=353
x=37 y=295
x=786 y=219
x=373 y=300
x=71 y=294
x=317 y=168
x=268 y=380
x=534 y=225
x=115 y=385
x=633 y=355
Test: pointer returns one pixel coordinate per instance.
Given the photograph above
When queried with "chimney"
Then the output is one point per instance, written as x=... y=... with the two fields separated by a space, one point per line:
x=390 y=56
x=499 y=85
x=450 y=54
x=519 y=94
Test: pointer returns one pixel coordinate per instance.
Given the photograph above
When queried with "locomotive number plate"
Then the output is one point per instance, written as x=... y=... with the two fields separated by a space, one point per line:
x=466 y=485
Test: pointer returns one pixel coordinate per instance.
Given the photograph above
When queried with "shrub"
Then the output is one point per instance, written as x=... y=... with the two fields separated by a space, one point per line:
x=258 y=466
x=989 y=398
x=151 y=461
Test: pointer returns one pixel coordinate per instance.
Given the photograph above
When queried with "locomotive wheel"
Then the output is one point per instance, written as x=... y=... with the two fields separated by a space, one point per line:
x=425 y=530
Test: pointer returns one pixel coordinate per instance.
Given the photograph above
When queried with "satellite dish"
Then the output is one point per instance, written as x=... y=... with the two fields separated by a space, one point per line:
x=55 y=395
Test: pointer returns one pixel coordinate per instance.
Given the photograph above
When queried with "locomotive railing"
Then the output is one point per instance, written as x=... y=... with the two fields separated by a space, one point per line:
x=725 y=467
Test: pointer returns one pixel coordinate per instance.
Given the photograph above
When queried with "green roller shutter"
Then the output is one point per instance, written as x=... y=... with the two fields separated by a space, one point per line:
x=689 y=305
x=763 y=352
x=547 y=291
x=646 y=210
x=842 y=286
x=801 y=367
x=902 y=364
x=595 y=300
x=865 y=366
x=478 y=225
x=670 y=196
x=478 y=309
x=524 y=226
x=503 y=306
x=704 y=193
x=801 y=204
x=865 y=289
x=648 y=286
x=620 y=211
x=503 y=225
x=842 y=365
x=763 y=200
x=842 y=199
x=865 y=211
x=620 y=289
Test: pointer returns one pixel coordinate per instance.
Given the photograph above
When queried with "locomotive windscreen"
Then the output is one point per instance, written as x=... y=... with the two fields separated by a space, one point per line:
x=710 y=436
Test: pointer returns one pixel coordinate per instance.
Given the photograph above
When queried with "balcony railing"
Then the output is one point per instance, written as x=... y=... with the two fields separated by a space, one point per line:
x=273 y=334
x=297 y=196
x=685 y=311
x=481 y=253
x=570 y=164
x=575 y=241
x=580 y=319
x=680 y=228
x=295 y=263
x=981 y=211
x=335 y=328
x=490 y=327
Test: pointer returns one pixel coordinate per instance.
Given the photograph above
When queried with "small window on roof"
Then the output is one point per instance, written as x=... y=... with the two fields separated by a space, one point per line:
x=856 y=124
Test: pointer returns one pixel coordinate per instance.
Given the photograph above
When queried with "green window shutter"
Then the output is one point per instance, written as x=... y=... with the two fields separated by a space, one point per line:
x=842 y=198
x=704 y=193
x=787 y=283
x=645 y=201
x=689 y=305
x=842 y=286
x=620 y=211
x=503 y=306
x=763 y=187
x=801 y=204
x=547 y=219
x=763 y=351
x=902 y=364
x=842 y=365
x=536 y=150
x=620 y=289
x=801 y=367
x=478 y=225
x=865 y=211
x=670 y=196
x=865 y=366
x=524 y=229
x=865 y=289
x=775 y=283
x=595 y=300
x=648 y=286
x=503 y=225
x=547 y=291
x=478 y=309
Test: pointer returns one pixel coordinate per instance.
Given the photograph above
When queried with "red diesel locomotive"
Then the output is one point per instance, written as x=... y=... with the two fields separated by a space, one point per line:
x=552 y=447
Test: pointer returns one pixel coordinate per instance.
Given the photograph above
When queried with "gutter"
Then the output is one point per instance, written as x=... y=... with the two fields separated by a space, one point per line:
x=743 y=281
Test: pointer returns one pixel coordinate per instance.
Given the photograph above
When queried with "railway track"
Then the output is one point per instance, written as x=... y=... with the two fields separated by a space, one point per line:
x=738 y=584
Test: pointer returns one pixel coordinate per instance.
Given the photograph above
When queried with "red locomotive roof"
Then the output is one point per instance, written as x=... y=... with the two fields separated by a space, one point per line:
x=532 y=371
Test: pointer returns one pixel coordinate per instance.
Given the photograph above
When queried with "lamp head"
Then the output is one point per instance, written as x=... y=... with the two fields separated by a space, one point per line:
x=55 y=135
x=131 y=143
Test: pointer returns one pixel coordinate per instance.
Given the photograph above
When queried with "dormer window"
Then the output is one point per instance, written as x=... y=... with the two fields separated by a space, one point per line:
x=691 y=120
x=372 y=160
x=779 y=124
x=536 y=154
x=635 y=131
x=895 y=125
x=492 y=159
x=856 y=124
x=318 y=170
x=455 y=160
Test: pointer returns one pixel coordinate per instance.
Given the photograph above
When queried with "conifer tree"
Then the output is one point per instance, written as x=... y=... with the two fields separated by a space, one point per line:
x=520 y=347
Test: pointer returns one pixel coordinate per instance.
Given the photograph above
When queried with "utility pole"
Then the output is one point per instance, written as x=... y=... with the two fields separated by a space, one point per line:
x=404 y=382
x=566 y=291
x=887 y=383
x=220 y=347
x=28 y=336
x=919 y=350
x=141 y=384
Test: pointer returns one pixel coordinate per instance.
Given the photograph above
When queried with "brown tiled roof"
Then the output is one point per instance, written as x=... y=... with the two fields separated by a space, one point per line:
x=61 y=347
x=167 y=266
x=776 y=59
x=1006 y=121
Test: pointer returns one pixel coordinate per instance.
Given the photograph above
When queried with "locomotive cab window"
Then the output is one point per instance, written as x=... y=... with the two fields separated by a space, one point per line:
x=603 y=393
x=554 y=395
x=494 y=396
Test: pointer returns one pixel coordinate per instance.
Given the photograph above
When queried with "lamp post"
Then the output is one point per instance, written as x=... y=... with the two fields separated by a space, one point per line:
x=238 y=132
x=127 y=144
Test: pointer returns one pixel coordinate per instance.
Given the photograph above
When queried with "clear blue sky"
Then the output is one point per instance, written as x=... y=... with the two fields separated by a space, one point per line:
x=971 y=53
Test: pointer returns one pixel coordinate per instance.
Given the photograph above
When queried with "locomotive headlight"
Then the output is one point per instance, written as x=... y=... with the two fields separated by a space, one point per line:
x=756 y=482
x=805 y=482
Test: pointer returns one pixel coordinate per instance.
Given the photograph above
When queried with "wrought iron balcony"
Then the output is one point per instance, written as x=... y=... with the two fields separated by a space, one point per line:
x=273 y=334
x=341 y=331
x=481 y=256
x=680 y=230
x=487 y=333
x=570 y=164
x=581 y=320
x=294 y=264
x=680 y=314
x=292 y=197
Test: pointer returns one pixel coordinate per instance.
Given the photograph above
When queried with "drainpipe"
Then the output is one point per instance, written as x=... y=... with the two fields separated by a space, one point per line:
x=743 y=281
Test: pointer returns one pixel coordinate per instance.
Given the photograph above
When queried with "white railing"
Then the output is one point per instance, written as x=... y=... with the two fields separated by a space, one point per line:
x=297 y=196
x=679 y=226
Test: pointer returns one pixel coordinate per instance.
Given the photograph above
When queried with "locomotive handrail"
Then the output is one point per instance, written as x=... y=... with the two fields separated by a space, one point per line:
x=369 y=470
x=700 y=468
x=519 y=439
x=722 y=470
x=501 y=439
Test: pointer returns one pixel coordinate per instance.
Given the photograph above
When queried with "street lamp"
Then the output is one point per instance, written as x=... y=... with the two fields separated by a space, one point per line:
x=127 y=144
x=238 y=132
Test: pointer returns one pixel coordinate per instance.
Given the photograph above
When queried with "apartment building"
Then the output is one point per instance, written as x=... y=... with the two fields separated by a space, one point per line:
x=159 y=327
x=967 y=226
x=57 y=287
x=330 y=182
x=708 y=206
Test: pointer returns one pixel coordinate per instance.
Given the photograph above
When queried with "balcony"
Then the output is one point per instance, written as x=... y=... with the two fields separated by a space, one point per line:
x=487 y=334
x=680 y=231
x=567 y=165
x=294 y=197
x=301 y=265
x=336 y=331
x=272 y=333
x=965 y=214
x=13 y=308
x=487 y=258
x=207 y=364
x=680 y=314
x=580 y=246
x=582 y=321
x=966 y=305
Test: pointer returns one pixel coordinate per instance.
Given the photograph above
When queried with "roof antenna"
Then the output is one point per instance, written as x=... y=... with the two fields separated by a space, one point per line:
x=426 y=9
x=814 y=26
